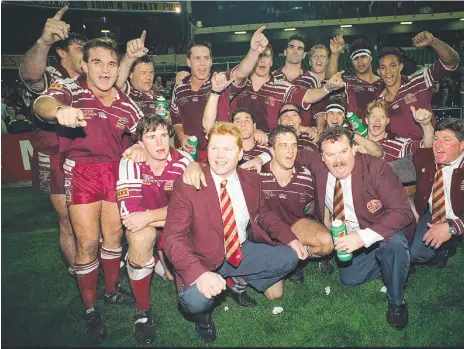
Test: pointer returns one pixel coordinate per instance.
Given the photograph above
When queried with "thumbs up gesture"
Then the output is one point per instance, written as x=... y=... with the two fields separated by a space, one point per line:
x=55 y=29
x=422 y=116
x=136 y=47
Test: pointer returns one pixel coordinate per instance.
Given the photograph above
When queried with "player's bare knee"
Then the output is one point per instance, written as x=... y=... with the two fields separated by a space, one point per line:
x=274 y=294
x=87 y=246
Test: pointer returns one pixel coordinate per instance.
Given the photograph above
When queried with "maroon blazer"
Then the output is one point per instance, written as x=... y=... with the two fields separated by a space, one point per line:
x=379 y=198
x=193 y=237
x=425 y=174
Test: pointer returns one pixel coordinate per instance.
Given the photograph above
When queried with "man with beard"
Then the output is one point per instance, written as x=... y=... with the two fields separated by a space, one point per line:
x=190 y=96
x=47 y=175
x=395 y=147
x=143 y=191
x=294 y=73
x=264 y=95
x=99 y=114
x=364 y=87
x=289 y=191
x=403 y=91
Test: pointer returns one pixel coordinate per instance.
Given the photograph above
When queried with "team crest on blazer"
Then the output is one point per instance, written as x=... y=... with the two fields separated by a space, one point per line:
x=374 y=205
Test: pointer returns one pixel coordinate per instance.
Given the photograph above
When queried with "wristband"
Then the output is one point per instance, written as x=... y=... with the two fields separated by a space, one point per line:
x=216 y=93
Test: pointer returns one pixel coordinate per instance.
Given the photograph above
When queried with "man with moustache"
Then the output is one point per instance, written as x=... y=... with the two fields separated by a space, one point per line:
x=190 y=96
x=373 y=204
x=99 y=114
x=395 y=147
x=403 y=91
x=364 y=87
x=225 y=229
x=47 y=175
x=143 y=191
x=264 y=95
x=439 y=197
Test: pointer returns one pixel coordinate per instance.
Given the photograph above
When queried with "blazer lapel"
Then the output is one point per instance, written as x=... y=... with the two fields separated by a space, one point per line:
x=210 y=200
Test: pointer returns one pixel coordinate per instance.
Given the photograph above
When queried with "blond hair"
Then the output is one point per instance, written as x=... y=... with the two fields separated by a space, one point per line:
x=227 y=128
x=379 y=103
x=318 y=47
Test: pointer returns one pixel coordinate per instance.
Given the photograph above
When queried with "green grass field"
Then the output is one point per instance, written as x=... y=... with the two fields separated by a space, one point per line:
x=41 y=305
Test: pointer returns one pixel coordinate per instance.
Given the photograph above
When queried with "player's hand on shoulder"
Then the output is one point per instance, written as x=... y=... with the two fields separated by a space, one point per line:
x=194 y=176
x=70 y=117
x=135 y=153
x=55 y=29
x=254 y=164
x=180 y=76
x=210 y=284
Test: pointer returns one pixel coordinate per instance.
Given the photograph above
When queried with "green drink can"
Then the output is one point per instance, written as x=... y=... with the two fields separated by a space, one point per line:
x=193 y=141
x=338 y=230
x=356 y=124
x=161 y=106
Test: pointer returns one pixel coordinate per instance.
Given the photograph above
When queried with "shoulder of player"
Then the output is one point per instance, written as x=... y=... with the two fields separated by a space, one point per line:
x=251 y=176
x=129 y=170
x=180 y=158
x=303 y=172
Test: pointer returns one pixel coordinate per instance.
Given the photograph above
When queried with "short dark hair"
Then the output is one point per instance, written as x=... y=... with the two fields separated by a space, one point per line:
x=106 y=43
x=243 y=110
x=199 y=43
x=280 y=129
x=360 y=44
x=73 y=38
x=143 y=59
x=452 y=124
x=150 y=123
x=297 y=37
x=333 y=134
x=389 y=51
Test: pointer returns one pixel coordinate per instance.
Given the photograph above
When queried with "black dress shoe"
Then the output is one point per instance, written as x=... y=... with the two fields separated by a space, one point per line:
x=297 y=275
x=441 y=259
x=242 y=299
x=397 y=315
x=204 y=326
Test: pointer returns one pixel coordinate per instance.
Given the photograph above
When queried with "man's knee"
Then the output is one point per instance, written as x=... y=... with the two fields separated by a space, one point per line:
x=327 y=245
x=87 y=246
x=276 y=291
x=193 y=302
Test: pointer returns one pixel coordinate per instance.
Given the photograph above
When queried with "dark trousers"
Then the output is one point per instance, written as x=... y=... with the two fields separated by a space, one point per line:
x=262 y=266
x=387 y=260
x=421 y=253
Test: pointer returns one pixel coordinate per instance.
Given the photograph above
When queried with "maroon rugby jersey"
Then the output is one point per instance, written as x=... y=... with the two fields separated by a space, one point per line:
x=187 y=107
x=290 y=201
x=138 y=189
x=415 y=90
x=395 y=147
x=46 y=139
x=304 y=141
x=253 y=152
x=305 y=79
x=266 y=102
x=101 y=140
x=360 y=93
x=145 y=100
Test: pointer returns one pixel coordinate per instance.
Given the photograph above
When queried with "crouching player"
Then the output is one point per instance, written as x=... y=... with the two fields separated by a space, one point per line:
x=143 y=191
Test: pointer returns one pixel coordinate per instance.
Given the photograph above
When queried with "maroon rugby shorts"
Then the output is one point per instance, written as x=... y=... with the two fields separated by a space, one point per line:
x=88 y=183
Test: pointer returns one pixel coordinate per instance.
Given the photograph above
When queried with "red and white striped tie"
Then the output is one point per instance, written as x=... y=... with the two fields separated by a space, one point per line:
x=338 y=205
x=438 y=197
x=231 y=240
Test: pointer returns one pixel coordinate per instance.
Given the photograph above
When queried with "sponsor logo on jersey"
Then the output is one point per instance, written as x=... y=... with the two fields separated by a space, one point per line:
x=195 y=99
x=102 y=115
x=57 y=86
x=374 y=205
x=395 y=106
x=410 y=98
x=122 y=193
x=122 y=123
x=282 y=196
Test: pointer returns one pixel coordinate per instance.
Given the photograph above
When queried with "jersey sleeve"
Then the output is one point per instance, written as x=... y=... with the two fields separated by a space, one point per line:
x=295 y=95
x=60 y=91
x=411 y=146
x=174 y=109
x=129 y=188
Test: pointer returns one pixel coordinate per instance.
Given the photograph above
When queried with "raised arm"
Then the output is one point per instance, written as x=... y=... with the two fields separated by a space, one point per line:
x=219 y=83
x=314 y=95
x=135 y=49
x=337 y=45
x=448 y=56
x=34 y=63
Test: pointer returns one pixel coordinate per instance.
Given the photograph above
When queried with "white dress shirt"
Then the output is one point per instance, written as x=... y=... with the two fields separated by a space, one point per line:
x=447 y=174
x=234 y=189
x=368 y=236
